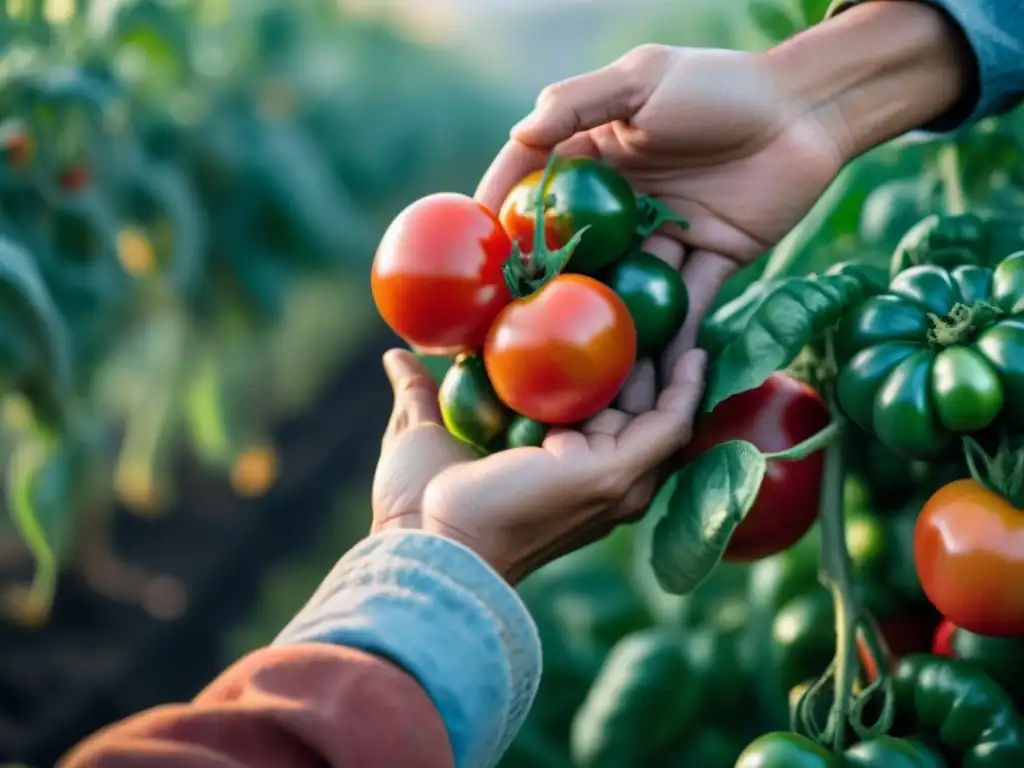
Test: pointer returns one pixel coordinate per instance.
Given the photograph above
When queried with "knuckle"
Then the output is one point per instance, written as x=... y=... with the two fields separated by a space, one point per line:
x=551 y=94
x=645 y=58
x=612 y=487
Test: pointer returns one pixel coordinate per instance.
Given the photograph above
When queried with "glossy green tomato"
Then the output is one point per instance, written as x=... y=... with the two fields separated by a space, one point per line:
x=470 y=409
x=655 y=294
x=1000 y=657
x=891 y=210
x=891 y=752
x=943 y=241
x=935 y=356
x=582 y=192
x=786 y=750
x=803 y=637
x=524 y=432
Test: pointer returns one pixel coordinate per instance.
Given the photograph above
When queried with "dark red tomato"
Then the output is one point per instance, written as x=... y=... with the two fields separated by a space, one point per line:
x=437 y=276
x=969 y=556
x=942 y=644
x=562 y=354
x=73 y=178
x=905 y=634
x=779 y=414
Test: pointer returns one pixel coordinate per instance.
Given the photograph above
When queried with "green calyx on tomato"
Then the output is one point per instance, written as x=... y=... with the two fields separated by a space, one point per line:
x=656 y=296
x=938 y=355
x=470 y=409
x=581 y=193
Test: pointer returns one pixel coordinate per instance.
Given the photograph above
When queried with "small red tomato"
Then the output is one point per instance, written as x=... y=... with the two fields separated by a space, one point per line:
x=562 y=354
x=17 y=149
x=778 y=415
x=969 y=555
x=942 y=644
x=437 y=275
x=73 y=178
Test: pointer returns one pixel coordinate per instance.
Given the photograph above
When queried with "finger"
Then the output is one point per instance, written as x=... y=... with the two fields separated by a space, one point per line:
x=415 y=391
x=613 y=92
x=640 y=390
x=512 y=163
x=666 y=248
x=704 y=273
x=655 y=436
x=608 y=422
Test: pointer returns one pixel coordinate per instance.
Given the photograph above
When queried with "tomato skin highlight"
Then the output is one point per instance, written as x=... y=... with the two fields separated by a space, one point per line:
x=562 y=354
x=437 y=275
x=776 y=416
x=969 y=555
x=583 y=192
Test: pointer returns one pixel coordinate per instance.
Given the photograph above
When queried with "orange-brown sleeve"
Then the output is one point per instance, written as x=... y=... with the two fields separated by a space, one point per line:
x=292 y=706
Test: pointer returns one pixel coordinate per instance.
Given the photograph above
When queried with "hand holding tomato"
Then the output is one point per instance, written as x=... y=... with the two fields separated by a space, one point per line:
x=523 y=507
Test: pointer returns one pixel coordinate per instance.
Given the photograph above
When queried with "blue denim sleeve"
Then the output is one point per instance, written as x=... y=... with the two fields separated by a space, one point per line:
x=437 y=610
x=994 y=31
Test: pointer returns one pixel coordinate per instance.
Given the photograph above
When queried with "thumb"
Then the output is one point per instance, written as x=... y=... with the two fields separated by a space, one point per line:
x=414 y=388
x=614 y=92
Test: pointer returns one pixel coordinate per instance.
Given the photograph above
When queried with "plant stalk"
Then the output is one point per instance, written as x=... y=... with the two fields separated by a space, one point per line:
x=812 y=444
x=952 y=183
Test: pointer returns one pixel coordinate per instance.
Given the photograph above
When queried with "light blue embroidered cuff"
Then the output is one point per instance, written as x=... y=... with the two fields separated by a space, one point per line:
x=437 y=610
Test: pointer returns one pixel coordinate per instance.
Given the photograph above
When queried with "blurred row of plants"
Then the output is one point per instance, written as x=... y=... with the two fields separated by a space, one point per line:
x=190 y=195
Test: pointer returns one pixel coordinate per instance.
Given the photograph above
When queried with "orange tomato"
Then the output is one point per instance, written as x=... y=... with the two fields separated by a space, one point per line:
x=562 y=354
x=969 y=555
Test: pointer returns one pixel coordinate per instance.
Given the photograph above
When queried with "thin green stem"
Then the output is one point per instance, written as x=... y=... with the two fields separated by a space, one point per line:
x=952 y=183
x=816 y=442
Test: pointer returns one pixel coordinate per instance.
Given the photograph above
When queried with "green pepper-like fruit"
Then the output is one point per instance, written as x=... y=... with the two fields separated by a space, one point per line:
x=936 y=356
x=966 y=711
x=470 y=409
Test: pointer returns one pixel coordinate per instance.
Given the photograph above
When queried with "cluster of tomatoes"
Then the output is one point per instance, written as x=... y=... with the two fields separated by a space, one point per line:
x=545 y=323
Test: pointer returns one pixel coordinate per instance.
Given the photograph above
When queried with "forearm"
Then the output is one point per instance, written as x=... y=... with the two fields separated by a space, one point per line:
x=413 y=651
x=876 y=71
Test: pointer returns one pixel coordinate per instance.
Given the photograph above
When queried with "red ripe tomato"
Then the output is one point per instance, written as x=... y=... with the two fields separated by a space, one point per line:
x=776 y=416
x=562 y=354
x=437 y=276
x=73 y=178
x=942 y=644
x=969 y=555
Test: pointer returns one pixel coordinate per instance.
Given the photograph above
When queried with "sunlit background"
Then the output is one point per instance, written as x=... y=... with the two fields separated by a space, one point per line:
x=196 y=188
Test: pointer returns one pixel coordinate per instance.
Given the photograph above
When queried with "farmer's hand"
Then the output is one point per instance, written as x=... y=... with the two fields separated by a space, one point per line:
x=741 y=145
x=522 y=508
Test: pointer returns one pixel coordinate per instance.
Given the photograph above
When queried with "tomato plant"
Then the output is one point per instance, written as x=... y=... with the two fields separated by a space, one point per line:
x=968 y=554
x=437 y=277
x=778 y=415
x=562 y=354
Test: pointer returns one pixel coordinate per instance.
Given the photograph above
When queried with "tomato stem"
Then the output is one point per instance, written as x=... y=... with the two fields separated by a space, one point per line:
x=654 y=214
x=816 y=442
x=952 y=183
x=526 y=273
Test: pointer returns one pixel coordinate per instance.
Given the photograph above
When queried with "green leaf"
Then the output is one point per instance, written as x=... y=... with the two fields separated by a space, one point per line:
x=731 y=318
x=793 y=315
x=645 y=699
x=774 y=22
x=713 y=495
x=814 y=11
x=39 y=484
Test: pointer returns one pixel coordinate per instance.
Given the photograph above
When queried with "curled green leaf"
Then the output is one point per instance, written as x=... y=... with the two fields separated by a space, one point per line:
x=712 y=497
x=788 y=319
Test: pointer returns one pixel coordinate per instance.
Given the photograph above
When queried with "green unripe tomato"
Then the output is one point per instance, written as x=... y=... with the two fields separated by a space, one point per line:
x=656 y=297
x=470 y=409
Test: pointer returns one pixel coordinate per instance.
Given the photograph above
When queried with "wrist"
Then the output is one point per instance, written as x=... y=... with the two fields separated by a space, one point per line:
x=876 y=71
